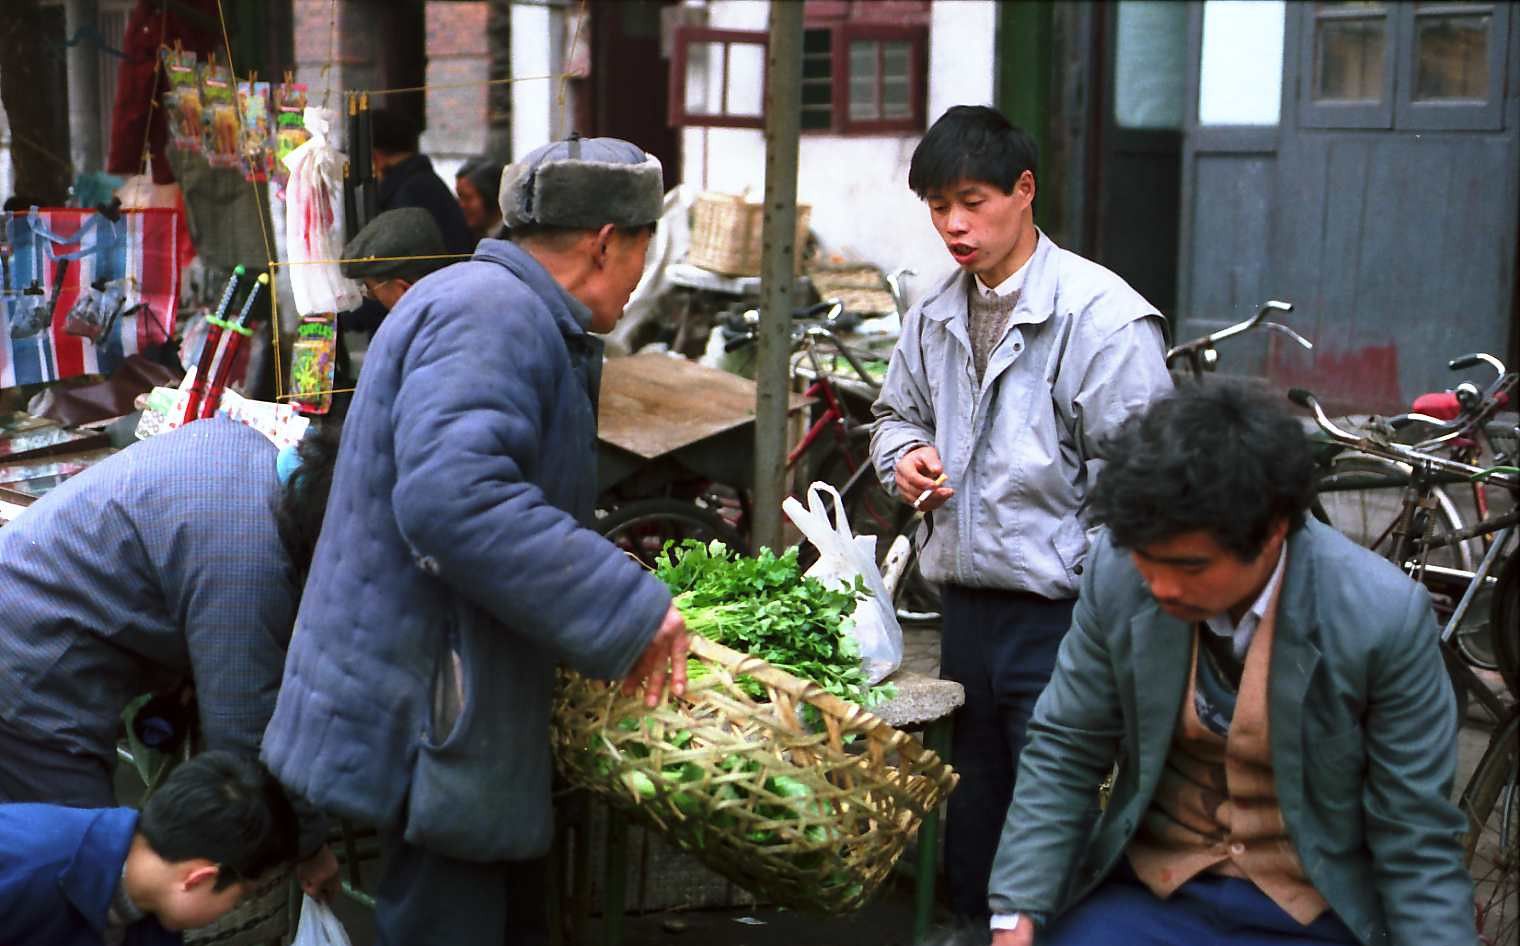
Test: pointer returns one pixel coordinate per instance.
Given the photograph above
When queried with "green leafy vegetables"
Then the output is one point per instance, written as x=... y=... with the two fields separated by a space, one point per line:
x=764 y=606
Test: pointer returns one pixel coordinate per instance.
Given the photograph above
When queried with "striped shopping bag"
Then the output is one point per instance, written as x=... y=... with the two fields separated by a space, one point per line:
x=52 y=258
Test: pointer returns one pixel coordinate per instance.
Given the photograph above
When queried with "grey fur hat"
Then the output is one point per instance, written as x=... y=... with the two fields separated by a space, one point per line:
x=405 y=231
x=583 y=184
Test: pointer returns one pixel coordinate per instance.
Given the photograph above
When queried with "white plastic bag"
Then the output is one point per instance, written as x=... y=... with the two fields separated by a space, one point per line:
x=842 y=556
x=314 y=221
x=319 y=926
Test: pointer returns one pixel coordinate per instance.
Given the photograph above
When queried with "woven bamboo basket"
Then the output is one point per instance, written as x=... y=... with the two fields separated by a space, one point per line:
x=806 y=816
x=726 y=234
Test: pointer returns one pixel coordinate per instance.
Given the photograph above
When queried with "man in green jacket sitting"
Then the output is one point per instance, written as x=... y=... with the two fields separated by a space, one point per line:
x=1275 y=701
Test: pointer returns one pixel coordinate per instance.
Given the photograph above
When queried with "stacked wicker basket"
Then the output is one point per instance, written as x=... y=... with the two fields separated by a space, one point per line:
x=807 y=808
x=726 y=234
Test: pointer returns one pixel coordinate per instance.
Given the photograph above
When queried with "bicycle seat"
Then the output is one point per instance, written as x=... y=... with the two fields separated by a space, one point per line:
x=1442 y=405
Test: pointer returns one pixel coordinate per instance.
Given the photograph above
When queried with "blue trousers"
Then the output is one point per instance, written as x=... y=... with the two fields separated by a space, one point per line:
x=1208 y=910
x=426 y=899
x=1001 y=646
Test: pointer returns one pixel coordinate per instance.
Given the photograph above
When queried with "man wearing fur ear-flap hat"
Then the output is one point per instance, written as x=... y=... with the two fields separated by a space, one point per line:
x=457 y=569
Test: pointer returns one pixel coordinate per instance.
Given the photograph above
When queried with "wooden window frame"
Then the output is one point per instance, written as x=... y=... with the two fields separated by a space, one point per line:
x=686 y=36
x=842 y=32
x=917 y=37
x=1398 y=109
x=1486 y=114
x=1342 y=114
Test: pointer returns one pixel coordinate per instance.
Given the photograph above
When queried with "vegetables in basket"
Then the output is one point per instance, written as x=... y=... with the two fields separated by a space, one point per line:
x=765 y=606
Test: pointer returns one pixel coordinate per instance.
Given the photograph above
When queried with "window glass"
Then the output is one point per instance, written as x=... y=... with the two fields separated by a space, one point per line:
x=1240 y=72
x=896 y=76
x=746 y=79
x=704 y=78
x=1451 y=57
x=1149 y=63
x=1348 y=59
x=863 y=81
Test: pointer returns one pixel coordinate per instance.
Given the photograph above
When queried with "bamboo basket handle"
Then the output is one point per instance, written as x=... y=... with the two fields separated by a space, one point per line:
x=802 y=690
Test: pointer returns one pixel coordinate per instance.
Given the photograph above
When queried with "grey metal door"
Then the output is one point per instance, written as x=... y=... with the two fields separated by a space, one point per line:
x=1383 y=201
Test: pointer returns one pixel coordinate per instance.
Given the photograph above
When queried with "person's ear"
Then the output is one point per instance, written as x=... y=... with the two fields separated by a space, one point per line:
x=604 y=238
x=405 y=284
x=197 y=873
x=1025 y=186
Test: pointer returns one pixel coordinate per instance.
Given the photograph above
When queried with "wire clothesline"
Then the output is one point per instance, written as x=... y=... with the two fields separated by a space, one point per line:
x=368 y=259
x=273 y=264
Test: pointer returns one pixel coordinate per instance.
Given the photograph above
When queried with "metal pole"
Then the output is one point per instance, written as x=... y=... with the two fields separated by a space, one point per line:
x=83 y=64
x=783 y=94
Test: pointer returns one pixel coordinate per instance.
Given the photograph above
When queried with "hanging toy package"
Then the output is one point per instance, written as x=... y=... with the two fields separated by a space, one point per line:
x=289 y=126
x=257 y=152
x=313 y=364
x=219 y=95
x=314 y=233
x=182 y=103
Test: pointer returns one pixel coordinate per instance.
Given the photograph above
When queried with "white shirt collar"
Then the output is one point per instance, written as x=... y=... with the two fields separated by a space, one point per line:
x=1240 y=634
x=1012 y=284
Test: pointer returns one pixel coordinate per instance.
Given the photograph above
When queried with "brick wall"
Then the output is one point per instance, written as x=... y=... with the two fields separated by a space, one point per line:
x=455 y=43
x=456 y=50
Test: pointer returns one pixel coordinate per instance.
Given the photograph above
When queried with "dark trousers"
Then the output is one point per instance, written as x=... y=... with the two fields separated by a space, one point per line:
x=426 y=899
x=33 y=772
x=1208 y=910
x=1001 y=646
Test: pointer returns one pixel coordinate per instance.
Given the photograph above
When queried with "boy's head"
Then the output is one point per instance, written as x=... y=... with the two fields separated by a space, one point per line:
x=976 y=171
x=217 y=825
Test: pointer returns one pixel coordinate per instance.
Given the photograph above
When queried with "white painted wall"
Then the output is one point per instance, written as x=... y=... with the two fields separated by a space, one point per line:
x=962 y=54
x=537 y=50
x=858 y=185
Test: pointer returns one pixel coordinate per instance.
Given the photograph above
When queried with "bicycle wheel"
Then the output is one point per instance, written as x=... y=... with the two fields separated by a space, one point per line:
x=1506 y=623
x=1491 y=802
x=643 y=527
x=1362 y=497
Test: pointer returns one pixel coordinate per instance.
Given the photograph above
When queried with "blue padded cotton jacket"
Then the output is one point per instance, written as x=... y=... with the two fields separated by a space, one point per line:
x=455 y=569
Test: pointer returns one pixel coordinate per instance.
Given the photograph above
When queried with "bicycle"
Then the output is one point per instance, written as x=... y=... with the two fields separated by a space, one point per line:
x=1491 y=798
x=834 y=448
x=1362 y=495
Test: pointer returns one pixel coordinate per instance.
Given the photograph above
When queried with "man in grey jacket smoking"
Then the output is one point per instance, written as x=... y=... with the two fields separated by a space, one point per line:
x=1004 y=381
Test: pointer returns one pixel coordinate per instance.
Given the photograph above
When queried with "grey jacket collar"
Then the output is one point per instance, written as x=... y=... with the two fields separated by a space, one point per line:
x=1037 y=301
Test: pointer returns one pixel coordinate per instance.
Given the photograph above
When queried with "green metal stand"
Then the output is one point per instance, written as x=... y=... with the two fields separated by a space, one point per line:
x=937 y=740
x=616 y=880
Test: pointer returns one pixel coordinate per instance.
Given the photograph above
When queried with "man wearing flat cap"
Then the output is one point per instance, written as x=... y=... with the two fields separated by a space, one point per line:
x=392 y=251
x=457 y=567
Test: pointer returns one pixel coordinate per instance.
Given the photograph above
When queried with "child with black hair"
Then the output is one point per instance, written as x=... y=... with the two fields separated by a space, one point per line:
x=85 y=877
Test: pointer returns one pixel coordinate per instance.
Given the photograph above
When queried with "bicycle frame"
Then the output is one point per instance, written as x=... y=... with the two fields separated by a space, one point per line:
x=1411 y=540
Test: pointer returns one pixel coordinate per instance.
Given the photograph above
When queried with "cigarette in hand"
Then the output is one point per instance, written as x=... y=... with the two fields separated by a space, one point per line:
x=926 y=493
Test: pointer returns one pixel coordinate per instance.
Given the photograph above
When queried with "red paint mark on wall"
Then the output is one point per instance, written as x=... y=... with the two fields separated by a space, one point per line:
x=1346 y=380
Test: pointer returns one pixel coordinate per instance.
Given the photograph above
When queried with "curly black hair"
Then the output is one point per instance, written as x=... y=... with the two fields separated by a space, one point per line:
x=1215 y=456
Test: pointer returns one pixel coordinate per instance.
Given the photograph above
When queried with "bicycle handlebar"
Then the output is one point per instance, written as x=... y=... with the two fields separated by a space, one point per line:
x=1394 y=451
x=1200 y=352
x=1477 y=357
